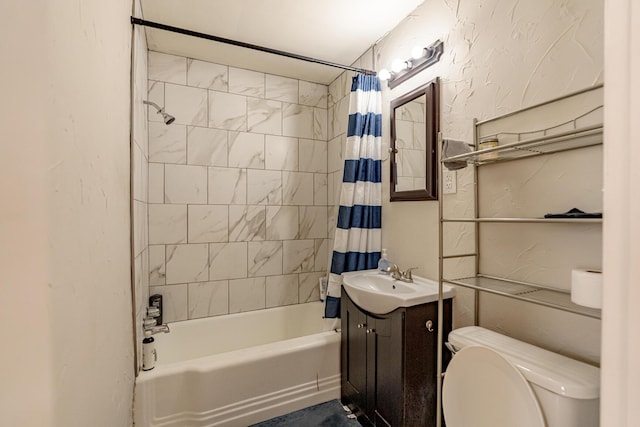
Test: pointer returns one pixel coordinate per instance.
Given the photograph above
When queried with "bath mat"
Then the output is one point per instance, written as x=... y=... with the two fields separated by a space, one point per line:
x=328 y=414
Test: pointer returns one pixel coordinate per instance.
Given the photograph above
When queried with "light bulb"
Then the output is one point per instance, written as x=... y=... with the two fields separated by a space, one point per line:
x=384 y=74
x=398 y=65
x=417 y=52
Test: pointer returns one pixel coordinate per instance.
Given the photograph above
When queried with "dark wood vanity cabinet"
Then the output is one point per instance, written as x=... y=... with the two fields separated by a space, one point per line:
x=389 y=363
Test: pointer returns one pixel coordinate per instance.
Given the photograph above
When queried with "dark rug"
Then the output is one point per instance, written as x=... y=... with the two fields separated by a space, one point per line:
x=328 y=414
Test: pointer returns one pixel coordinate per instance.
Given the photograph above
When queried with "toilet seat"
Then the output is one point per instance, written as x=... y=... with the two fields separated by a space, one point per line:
x=482 y=389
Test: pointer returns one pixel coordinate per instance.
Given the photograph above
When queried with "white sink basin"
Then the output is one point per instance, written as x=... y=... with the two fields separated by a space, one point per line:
x=379 y=293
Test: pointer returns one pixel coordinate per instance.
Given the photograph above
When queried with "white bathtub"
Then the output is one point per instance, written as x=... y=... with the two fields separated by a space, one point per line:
x=240 y=369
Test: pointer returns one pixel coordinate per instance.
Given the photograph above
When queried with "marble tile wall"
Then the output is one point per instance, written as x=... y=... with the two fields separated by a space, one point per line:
x=238 y=188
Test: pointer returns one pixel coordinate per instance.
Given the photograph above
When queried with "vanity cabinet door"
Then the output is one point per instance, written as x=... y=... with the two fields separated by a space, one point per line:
x=385 y=352
x=372 y=348
x=420 y=357
x=354 y=356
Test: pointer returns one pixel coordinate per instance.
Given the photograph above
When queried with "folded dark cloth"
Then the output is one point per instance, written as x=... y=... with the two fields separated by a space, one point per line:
x=450 y=148
x=574 y=213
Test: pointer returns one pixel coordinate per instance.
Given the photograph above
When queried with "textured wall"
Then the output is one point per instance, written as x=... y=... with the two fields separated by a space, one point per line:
x=499 y=56
x=69 y=159
x=140 y=181
x=88 y=175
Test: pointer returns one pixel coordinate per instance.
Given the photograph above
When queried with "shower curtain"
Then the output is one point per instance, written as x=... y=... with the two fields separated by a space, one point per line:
x=357 y=238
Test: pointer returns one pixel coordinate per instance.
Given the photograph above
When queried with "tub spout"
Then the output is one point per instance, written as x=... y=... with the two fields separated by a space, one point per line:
x=149 y=324
x=158 y=328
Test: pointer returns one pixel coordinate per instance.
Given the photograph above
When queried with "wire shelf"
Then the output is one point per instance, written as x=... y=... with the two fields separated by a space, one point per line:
x=581 y=221
x=537 y=294
x=569 y=140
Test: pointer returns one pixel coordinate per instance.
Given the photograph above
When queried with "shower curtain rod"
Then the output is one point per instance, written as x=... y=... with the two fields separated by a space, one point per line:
x=138 y=21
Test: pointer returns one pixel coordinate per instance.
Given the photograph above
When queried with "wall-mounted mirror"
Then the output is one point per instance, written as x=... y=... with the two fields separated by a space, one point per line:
x=415 y=122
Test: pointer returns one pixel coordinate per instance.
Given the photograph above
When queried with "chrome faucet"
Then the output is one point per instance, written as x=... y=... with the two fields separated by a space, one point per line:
x=394 y=270
x=150 y=322
x=407 y=276
x=157 y=329
x=403 y=276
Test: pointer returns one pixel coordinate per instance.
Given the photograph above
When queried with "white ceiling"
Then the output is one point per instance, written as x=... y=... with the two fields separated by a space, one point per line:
x=338 y=31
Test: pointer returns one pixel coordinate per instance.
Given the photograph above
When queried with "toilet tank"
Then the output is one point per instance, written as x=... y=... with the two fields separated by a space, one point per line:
x=568 y=391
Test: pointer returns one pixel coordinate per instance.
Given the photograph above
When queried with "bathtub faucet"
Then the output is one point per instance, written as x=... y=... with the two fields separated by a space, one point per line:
x=155 y=329
x=150 y=323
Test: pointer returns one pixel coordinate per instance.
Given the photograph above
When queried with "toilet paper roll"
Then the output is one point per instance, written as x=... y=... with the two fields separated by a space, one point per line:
x=586 y=288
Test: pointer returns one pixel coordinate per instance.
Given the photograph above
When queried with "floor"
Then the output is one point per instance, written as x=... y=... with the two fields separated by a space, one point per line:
x=328 y=414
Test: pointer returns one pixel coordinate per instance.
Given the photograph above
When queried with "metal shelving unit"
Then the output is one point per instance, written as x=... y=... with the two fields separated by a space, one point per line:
x=581 y=131
x=577 y=133
x=584 y=130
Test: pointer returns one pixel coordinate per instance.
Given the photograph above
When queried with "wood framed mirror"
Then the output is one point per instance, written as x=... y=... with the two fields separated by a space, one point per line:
x=415 y=123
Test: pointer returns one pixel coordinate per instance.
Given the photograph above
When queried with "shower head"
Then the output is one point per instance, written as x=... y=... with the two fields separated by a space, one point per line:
x=167 y=118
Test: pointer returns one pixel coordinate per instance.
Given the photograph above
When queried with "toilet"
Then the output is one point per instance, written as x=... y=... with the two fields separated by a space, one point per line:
x=497 y=381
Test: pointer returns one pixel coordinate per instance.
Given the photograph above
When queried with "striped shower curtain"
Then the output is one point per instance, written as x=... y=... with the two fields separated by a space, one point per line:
x=357 y=238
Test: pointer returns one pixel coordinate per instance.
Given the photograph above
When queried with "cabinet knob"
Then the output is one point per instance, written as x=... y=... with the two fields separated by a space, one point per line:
x=371 y=331
x=429 y=325
x=361 y=325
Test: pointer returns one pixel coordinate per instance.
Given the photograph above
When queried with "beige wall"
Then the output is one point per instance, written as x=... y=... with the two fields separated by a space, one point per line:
x=499 y=56
x=26 y=394
x=67 y=356
x=621 y=341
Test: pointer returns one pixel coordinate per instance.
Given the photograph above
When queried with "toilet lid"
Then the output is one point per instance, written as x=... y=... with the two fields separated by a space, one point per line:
x=481 y=388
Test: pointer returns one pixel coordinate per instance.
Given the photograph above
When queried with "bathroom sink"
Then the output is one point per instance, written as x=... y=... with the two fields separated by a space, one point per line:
x=379 y=293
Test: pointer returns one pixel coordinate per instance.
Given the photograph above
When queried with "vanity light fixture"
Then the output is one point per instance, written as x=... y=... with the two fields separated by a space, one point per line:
x=421 y=58
x=418 y=52
x=384 y=74
x=399 y=65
